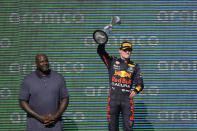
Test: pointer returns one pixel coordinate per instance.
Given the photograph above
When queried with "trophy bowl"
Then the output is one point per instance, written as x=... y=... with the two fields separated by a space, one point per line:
x=101 y=36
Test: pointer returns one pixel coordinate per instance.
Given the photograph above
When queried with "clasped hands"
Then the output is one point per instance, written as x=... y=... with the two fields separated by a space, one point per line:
x=48 y=119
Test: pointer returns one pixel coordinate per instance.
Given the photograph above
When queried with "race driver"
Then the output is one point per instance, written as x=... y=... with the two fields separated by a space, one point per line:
x=123 y=74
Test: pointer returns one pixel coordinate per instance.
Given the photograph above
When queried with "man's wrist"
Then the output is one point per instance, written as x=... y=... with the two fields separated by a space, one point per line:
x=56 y=116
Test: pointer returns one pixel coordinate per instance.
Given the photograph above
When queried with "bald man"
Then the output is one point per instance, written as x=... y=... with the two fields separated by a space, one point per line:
x=44 y=97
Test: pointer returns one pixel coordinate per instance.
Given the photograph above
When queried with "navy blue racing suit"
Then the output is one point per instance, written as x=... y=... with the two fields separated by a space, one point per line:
x=122 y=75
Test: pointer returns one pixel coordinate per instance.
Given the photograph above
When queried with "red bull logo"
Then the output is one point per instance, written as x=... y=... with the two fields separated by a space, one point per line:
x=121 y=80
x=123 y=74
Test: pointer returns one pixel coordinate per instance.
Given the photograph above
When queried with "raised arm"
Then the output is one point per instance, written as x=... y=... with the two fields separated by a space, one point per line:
x=104 y=55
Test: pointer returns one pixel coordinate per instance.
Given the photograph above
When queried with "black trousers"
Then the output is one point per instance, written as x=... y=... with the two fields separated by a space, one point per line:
x=120 y=104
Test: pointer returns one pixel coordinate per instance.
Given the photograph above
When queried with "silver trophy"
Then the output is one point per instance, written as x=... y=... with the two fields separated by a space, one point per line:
x=101 y=36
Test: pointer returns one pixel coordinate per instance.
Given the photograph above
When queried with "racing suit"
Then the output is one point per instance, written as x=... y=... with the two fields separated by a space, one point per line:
x=122 y=75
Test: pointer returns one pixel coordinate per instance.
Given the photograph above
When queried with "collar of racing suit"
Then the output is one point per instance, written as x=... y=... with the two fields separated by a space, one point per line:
x=124 y=61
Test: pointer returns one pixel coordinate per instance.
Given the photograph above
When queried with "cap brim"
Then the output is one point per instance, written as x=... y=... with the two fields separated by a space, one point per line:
x=125 y=48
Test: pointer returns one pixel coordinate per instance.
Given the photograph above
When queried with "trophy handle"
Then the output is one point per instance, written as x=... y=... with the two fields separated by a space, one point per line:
x=115 y=21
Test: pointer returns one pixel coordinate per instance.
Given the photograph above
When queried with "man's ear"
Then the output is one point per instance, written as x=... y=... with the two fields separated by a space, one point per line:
x=119 y=51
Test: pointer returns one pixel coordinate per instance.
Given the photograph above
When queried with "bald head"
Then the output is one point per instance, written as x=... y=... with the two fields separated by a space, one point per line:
x=40 y=55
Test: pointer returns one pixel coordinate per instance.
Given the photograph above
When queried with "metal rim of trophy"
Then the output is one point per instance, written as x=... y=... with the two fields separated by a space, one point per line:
x=100 y=37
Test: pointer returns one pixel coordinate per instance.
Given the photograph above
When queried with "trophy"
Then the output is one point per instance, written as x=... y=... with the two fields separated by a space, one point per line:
x=101 y=36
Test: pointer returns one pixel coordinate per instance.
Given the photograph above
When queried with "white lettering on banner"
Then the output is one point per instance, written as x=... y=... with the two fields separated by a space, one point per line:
x=141 y=40
x=73 y=116
x=177 y=115
x=5 y=93
x=89 y=41
x=136 y=41
x=78 y=67
x=69 y=67
x=15 y=18
x=47 y=18
x=177 y=65
x=96 y=91
x=170 y=16
x=150 y=91
x=55 y=66
x=37 y=20
x=5 y=43
x=28 y=66
x=185 y=115
x=90 y=91
x=14 y=67
x=163 y=116
x=54 y=17
x=17 y=117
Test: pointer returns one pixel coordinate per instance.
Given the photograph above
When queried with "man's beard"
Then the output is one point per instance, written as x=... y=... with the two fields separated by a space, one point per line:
x=44 y=70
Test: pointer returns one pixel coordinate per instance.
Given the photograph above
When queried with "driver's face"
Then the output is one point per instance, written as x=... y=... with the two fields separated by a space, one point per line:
x=125 y=54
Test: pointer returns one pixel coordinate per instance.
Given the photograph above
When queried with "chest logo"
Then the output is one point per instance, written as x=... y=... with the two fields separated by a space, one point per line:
x=122 y=74
x=116 y=66
x=117 y=63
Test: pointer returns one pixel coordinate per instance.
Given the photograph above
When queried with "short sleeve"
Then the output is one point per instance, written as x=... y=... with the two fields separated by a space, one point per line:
x=24 y=91
x=63 y=89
